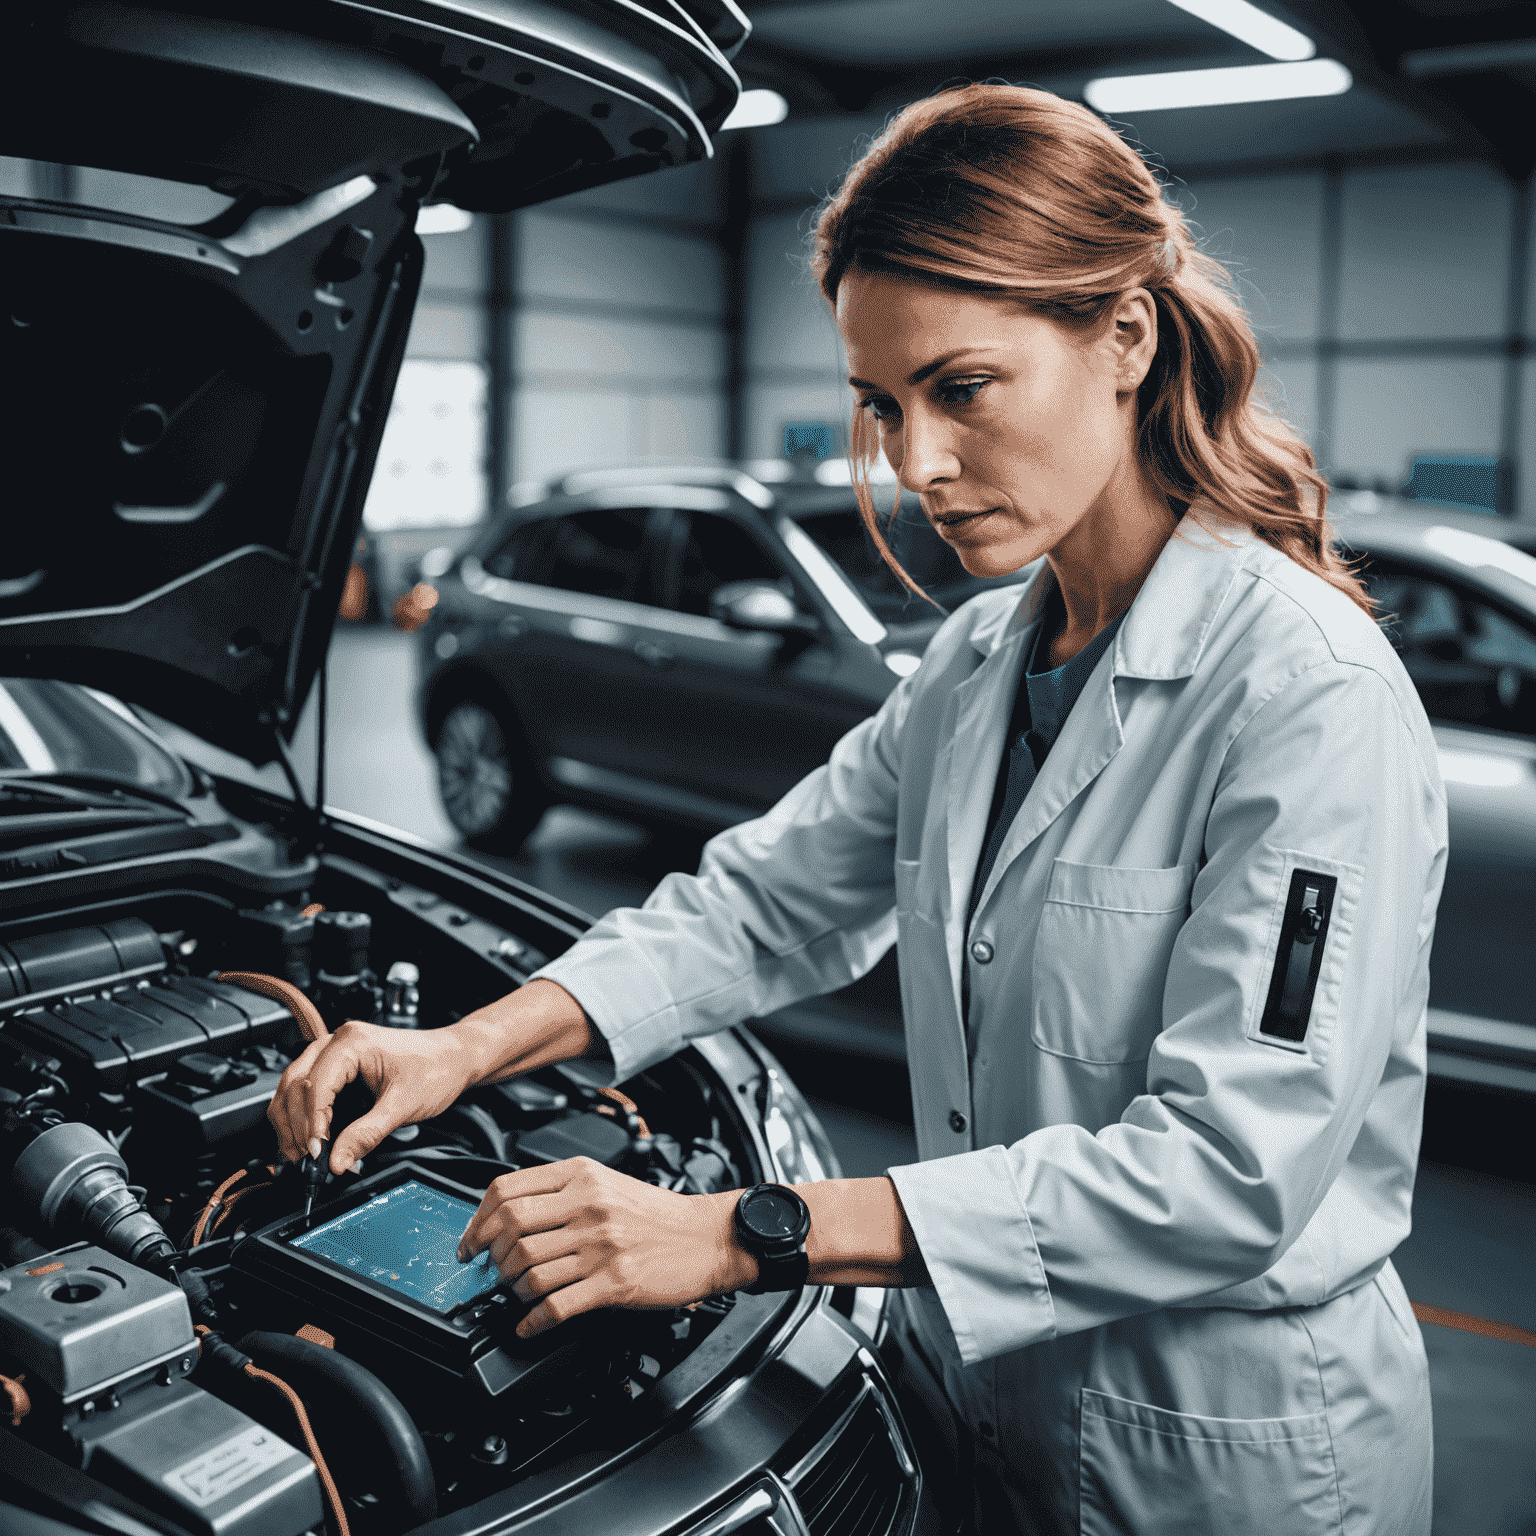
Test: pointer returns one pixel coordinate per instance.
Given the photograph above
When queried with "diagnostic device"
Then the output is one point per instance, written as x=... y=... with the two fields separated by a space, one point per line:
x=378 y=1269
x=406 y=1239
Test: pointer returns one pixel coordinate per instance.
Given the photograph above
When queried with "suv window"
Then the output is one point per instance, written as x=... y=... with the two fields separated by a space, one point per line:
x=925 y=557
x=1471 y=663
x=716 y=551
x=600 y=553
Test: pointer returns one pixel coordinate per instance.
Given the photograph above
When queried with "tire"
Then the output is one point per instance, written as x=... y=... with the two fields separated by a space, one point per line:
x=489 y=787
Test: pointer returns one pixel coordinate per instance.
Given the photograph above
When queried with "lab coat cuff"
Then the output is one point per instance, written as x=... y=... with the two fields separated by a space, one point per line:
x=626 y=1001
x=979 y=1247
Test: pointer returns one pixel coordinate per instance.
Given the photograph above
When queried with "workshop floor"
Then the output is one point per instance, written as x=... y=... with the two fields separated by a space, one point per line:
x=1473 y=1248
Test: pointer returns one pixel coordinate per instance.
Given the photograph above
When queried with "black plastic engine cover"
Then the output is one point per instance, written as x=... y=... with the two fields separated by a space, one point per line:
x=141 y=1030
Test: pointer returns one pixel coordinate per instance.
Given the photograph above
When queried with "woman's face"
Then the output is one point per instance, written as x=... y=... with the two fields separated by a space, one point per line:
x=1012 y=430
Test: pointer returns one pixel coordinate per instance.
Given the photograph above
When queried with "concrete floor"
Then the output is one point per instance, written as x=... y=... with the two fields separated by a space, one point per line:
x=1473 y=1247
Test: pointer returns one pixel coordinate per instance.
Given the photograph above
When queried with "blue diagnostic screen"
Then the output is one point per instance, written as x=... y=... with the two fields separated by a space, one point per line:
x=406 y=1240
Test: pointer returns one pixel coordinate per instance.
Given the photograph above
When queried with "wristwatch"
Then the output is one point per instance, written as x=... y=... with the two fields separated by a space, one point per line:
x=772 y=1223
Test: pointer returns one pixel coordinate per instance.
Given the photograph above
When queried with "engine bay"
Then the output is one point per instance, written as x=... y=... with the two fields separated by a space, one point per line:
x=171 y=1323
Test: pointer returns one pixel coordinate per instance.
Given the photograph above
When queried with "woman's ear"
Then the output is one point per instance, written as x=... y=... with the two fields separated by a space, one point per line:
x=1133 y=338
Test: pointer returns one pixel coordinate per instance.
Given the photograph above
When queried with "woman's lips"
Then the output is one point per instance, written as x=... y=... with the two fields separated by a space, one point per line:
x=949 y=522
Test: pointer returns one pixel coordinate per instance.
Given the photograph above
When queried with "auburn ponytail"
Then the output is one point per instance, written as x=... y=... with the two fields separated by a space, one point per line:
x=1001 y=190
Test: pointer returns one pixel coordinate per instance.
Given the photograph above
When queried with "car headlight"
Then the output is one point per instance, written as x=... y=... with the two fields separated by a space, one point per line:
x=795 y=1138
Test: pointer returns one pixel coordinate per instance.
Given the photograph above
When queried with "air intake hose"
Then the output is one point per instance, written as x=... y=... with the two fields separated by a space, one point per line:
x=71 y=1179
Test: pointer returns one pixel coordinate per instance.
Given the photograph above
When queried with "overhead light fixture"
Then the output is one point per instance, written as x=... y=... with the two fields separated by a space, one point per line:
x=443 y=219
x=1248 y=24
x=1120 y=94
x=757 y=109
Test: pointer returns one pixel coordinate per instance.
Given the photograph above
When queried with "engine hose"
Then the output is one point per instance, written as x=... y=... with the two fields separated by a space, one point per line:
x=311 y=1025
x=226 y=1355
x=358 y=1414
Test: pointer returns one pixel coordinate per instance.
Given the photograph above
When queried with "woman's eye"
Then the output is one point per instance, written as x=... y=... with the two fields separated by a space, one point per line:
x=883 y=410
x=961 y=392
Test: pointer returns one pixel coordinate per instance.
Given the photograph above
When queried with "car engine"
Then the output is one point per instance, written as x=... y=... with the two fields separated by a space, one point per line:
x=173 y=1326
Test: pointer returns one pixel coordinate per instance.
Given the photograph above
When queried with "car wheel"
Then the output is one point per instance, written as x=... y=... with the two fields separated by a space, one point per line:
x=488 y=786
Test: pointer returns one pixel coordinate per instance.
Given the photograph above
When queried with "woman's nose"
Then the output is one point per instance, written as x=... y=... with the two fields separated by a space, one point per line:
x=928 y=459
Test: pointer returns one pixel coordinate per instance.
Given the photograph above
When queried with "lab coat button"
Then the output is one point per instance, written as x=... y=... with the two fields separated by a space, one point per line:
x=957 y=1121
x=981 y=952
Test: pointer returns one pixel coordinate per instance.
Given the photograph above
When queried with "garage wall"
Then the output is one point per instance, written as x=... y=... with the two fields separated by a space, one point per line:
x=618 y=325
x=1392 y=303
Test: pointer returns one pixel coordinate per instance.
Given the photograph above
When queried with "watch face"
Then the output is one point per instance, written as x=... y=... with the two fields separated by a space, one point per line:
x=770 y=1215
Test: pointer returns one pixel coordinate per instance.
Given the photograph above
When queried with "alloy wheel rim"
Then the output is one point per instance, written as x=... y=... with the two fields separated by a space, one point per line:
x=474 y=769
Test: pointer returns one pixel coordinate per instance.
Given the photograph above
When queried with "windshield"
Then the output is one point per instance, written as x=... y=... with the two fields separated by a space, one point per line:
x=926 y=558
x=53 y=727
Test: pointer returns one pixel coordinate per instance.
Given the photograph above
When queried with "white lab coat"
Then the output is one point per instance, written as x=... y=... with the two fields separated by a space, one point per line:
x=1158 y=1236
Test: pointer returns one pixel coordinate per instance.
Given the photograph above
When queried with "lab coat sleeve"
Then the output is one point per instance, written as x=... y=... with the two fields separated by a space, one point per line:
x=1209 y=1177
x=791 y=905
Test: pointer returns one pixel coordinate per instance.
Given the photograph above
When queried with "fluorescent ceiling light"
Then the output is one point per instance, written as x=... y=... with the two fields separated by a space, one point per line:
x=1250 y=25
x=757 y=109
x=443 y=219
x=1217 y=87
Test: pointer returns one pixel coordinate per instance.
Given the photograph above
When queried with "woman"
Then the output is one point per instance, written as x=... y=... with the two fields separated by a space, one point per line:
x=1162 y=843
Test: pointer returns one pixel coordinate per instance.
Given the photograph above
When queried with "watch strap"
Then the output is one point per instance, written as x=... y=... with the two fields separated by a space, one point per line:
x=786 y=1272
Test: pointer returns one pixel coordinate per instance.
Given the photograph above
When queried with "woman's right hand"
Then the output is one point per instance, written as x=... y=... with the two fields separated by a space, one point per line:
x=416 y=1074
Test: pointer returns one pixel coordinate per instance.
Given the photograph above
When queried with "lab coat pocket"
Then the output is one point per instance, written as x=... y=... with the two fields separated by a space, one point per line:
x=1101 y=958
x=1150 y=1472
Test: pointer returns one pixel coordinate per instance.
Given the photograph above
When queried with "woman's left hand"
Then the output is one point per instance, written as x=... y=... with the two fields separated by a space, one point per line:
x=575 y=1236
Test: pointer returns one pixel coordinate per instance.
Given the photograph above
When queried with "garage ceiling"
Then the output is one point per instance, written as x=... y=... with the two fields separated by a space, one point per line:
x=1432 y=77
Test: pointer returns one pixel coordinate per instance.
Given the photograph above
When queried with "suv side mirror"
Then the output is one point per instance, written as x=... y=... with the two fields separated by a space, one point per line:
x=756 y=605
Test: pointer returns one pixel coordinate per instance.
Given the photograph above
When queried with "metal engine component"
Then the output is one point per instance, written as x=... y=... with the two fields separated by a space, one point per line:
x=72 y=1177
x=81 y=1322
x=402 y=996
x=106 y=1348
x=213 y=1470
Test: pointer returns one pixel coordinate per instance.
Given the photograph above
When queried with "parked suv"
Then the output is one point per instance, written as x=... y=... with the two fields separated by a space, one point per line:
x=679 y=644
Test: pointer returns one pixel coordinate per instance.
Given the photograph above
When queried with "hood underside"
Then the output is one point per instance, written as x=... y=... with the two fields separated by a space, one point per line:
x=192 y=413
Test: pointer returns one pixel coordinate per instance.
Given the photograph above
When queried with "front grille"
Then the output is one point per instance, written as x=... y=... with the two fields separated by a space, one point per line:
x=852 y=1482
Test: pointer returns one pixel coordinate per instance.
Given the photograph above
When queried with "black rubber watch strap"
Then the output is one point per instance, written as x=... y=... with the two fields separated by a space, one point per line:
x=788 y=1273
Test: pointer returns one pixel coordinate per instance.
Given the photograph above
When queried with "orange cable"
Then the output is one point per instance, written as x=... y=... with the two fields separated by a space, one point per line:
x=16 y=1396
x=233 y=1200
x=311 y=1025
x=327 y=1482
x=1442 y=1317
x=213 y=1205
x=628 y=1105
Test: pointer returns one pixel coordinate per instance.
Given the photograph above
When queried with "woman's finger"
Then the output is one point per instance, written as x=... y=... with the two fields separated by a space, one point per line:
x=513 y=1253
x=562 y=1305
x=487 y=1222
x=287 y=1103
x=554 y=1275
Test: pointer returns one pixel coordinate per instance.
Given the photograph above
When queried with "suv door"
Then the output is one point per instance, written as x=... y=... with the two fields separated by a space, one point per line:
x=749 y=713
x=572 y=590
x=1473 y=662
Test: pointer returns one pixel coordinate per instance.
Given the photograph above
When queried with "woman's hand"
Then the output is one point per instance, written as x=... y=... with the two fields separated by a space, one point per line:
x=412 y=1074
x=416 y=1074
x=576 y=1235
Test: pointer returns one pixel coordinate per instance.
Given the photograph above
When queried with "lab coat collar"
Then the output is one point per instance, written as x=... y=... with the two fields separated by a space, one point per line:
x=1162 y=638
x=1166 y=629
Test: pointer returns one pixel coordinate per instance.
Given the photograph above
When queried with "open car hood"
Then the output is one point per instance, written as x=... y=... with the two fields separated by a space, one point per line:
x=192 y=413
